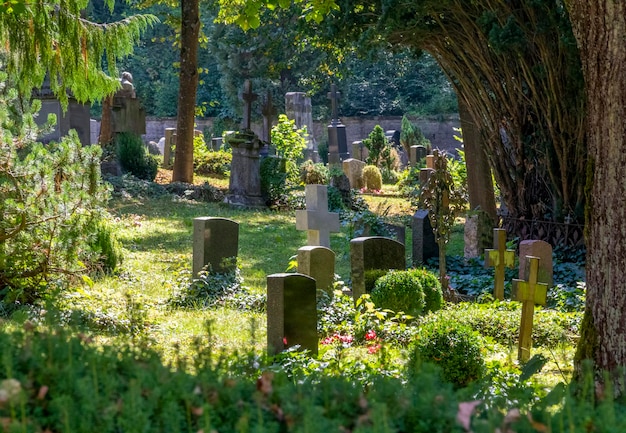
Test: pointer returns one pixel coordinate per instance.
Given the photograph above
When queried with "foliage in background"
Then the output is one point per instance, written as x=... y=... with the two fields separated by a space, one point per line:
x=51 y=200
x=378 y=146
x=411 y=135
x=210 y=162
x=133 y=157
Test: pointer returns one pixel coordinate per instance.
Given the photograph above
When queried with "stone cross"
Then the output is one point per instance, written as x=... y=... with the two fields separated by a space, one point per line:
x=248 y=97
x=269 y=111
x=499 y=257
x=529 y=292
x=316 y=219
x=334 y=96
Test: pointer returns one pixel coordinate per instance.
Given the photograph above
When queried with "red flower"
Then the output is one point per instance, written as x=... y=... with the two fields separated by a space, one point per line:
x=370 y=335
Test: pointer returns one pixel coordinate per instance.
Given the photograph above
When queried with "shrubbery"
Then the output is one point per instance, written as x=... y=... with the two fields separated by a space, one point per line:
x=133 y=157
x=415 y=291
x=372 y=179
x=314 y=173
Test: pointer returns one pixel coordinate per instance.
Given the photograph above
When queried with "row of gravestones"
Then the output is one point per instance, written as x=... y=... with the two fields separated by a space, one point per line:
x=291 y=298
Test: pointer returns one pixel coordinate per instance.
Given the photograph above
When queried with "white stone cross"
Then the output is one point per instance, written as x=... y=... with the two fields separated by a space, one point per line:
x=316 y=219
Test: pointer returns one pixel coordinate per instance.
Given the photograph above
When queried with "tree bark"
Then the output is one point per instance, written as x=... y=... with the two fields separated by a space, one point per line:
x=190 y=29
x=479 y=181
x=600 y=29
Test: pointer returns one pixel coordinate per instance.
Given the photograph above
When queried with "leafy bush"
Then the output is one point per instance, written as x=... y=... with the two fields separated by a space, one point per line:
x=399 y=291
x=133 y=157
x=274 y=180
x=372 y=179
x=433 y=297
x=454 y=347
x=105 y=247
x=377 y=145
x=314 y=173
x=213 y=163
x=371 y=276
x=290 y=143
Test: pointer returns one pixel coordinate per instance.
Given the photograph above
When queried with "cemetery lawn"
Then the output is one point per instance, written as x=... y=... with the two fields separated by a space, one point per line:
x=156 y=234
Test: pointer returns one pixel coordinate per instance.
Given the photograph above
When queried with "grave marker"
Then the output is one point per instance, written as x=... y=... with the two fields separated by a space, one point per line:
x=371 y=253
x=248 y=97
x=541 y=249
x=424 y=244
x=291 y=313
x=337 y=138
x=353 y=168
x=215 y=243
x=529 y=292
x=170 y=141
x=499 y=257
x=430 y=161
x=316 y=219
x=319 y=264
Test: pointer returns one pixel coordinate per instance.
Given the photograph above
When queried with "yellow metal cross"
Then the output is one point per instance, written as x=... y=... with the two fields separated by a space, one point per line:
x=529 y=293
x=499 y=257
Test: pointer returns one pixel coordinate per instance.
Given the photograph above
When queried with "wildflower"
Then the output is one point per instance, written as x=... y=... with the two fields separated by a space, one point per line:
x=373 y=349
x=370 y=335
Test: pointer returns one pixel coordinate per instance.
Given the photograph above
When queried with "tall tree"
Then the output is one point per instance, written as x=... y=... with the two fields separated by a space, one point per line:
x=600 y=28
x=188 y=82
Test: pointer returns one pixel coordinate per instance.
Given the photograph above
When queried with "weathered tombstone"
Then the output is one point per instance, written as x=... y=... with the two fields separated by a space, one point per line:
x=316 y=219
x=530 y=292
x=477 y=233
x=170 y=141
x=499 y=257
x=127 y=113
x=244 y=188
x=397 y=232
x=319 y=264
x=424 y=243
x=337 y=139
x=216 y=143
x=425 y=174
x=417 y=152
x=298 y=108
x=420 y=152
x=215 y=244
x=353 y=168
x=371 y=253
x=94 y=131
x=269 y=111
x=356 y=152
x=291 y=313
x=541 y=249
x=76 y=117
x=430 y=161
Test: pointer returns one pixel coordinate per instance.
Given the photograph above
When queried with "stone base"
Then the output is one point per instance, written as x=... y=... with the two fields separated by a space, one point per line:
x=239 y=200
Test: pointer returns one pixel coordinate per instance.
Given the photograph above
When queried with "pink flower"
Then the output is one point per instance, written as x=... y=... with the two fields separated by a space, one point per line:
x=370 y=335
x=373 y=349
x=285 y=341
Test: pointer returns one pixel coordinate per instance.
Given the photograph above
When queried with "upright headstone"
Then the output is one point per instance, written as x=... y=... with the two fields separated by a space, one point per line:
x=425 y=174
x=541 y=249
x=215 y=244
x=477 y=233
x=244 y=188
x=76 y=117
x=127 y=113
x=337 y=138
x=417 y=152
x=291 y=313
x=529 y=291
x=430 y=161
x=298 y=108
x=319 y=264
x=370 y=253
x=216 y=143
x=316 y=219
x=357 y=150
x=170 y=141
x=499 y=257
x=353 y=168
x=269 y=111
x=424 y=243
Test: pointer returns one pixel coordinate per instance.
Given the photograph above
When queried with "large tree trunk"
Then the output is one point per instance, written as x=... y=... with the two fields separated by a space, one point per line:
x=600 y=28
x=190 y=29
x=479 y=181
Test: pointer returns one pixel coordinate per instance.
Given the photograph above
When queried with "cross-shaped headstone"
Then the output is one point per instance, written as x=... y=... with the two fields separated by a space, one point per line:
x=529 y=292
x=269 y=111
x=316 y=219
x=334 y=96
x=499 y=257
x=248 y=97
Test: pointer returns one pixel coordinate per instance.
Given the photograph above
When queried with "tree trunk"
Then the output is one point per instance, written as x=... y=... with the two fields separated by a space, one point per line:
x=600 y=28
x=479 y=182
x=190 y=29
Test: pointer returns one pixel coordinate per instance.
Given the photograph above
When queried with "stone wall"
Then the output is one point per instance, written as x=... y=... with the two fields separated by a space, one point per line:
x=439 y=131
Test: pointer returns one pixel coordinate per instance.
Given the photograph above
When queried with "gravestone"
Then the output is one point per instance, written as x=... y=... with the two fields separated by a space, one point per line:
x=244 y=188
x=396 y=232
x=76 y=117
x=541 y=249
x=424 y=244
x=359 y=151
x=353 y=168
x=319 y=264
x=298 y=108
x=477 y=233
x=430 y=161
x=499 y=257
x=316 y=219
x=215 y=243
x=127 y=113
x=216 y=143
x=425 y=174
x=337 y=139
x=170 y=141
x=529 y=291
x=417 y=152
x=269 y=111
x=291 y=313
x=371 y=253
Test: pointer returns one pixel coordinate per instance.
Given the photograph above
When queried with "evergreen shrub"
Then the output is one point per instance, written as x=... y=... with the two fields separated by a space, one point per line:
x=372 y=178
x=314 y=173
x=433 y=295
x=105 y=247
x=452 y=346
x=399 y=291
x=133 y=158
x=274 y=179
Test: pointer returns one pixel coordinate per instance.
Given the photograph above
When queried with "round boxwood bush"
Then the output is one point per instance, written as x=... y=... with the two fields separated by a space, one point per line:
x=431 y=286
x=372 y=179
x=399 y=291
x=454 y=347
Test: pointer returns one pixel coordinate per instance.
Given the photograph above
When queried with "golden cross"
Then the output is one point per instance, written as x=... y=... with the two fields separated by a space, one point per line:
x=499 y=257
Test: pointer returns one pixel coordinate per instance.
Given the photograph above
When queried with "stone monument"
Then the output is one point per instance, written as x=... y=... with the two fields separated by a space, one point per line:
x=337 y=139
x=298 y=108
